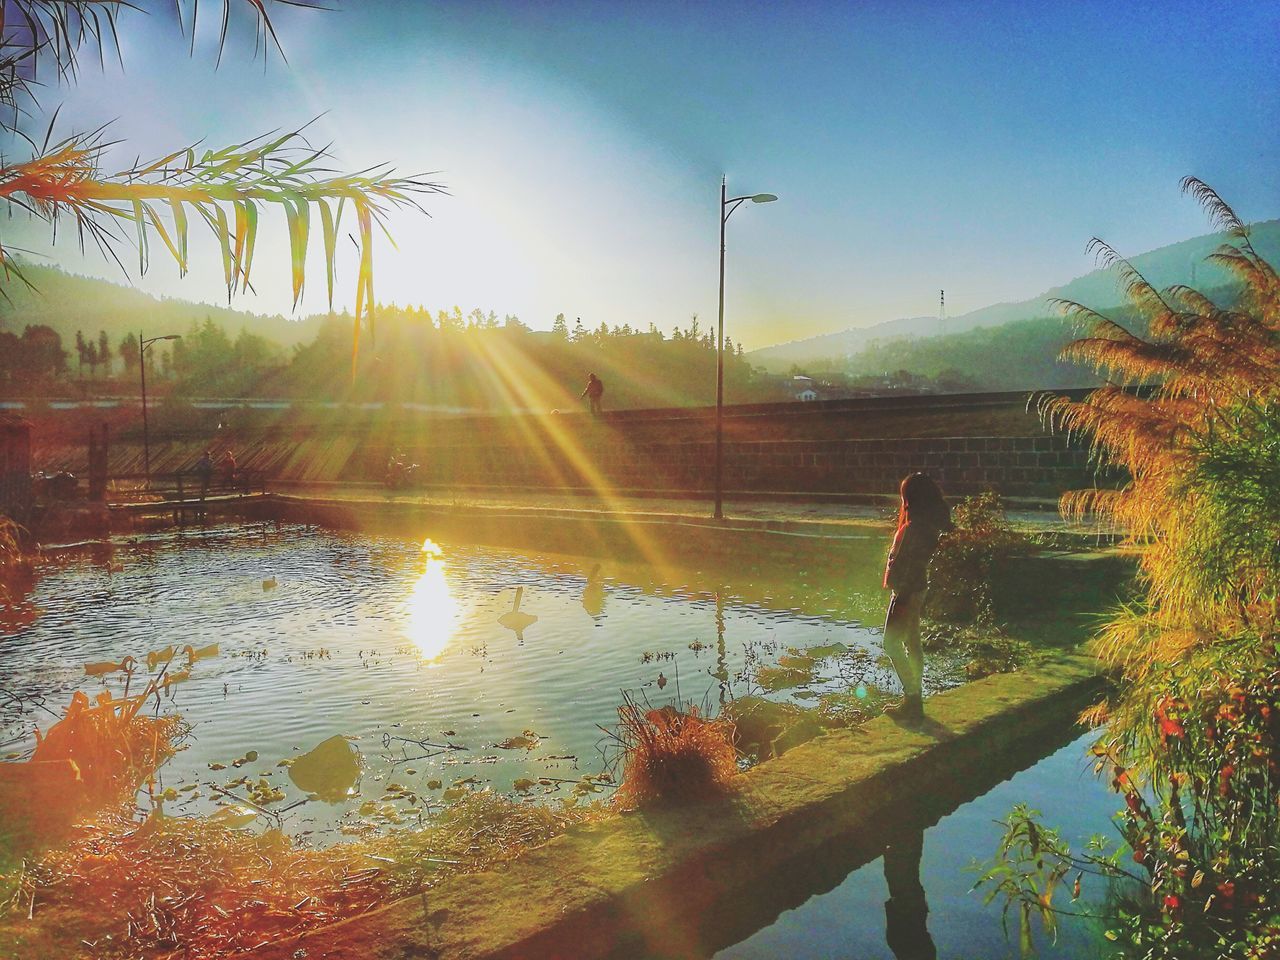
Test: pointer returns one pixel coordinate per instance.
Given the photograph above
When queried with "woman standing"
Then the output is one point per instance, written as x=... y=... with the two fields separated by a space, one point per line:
x=923 y=517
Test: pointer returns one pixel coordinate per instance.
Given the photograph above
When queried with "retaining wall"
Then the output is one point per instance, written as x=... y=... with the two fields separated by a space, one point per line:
x=796 y=448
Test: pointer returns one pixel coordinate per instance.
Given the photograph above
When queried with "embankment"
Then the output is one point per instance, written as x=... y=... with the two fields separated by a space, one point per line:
x=679 y=883
x=969 y=442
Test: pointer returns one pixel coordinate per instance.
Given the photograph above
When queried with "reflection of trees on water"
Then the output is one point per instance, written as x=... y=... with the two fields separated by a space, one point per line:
x=906 y=912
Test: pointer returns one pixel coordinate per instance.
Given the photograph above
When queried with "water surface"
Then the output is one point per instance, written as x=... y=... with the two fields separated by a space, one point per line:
x=412 y=649
x=850 y=919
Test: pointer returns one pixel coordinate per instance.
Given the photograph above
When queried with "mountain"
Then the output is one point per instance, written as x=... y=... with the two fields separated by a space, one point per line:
x=68 y=302
x=1183 y=262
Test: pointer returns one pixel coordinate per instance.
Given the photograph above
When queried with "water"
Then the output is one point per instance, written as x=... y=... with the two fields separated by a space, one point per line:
x=407 y=651
x=849 y=920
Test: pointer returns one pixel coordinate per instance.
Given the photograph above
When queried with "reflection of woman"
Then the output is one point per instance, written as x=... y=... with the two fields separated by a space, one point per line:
x=922 y=518
x=906 y=912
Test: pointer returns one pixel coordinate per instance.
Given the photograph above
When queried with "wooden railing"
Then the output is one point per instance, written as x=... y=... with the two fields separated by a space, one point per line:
x=185 y=485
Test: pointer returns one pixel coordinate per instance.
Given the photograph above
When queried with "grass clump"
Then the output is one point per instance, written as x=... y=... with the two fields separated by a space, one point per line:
x=671 y=756
x=18 y=557
x=192 y=887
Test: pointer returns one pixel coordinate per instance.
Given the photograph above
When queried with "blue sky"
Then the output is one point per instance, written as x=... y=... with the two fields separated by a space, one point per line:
x=914 y=146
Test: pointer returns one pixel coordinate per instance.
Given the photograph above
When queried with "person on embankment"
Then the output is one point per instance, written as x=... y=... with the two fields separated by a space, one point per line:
x=594 y=393
x=923 y=517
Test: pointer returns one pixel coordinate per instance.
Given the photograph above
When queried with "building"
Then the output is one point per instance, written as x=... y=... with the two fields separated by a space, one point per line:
x=804 y=388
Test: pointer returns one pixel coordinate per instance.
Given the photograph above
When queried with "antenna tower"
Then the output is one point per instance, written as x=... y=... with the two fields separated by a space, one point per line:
x=942 y=311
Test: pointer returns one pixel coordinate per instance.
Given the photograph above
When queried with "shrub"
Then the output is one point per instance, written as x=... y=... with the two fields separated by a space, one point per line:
x=967 y=560
x=1196 y=876
x=671 y=756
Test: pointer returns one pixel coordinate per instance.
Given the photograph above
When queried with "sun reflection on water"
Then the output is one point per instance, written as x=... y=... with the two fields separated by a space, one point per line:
x=434 y=612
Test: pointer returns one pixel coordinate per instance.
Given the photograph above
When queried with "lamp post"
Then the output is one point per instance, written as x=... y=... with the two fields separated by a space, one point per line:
x=142 y=366
x=727 y=206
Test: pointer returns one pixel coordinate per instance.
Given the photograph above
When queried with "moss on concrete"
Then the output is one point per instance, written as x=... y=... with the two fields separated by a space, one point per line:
x=638 y=884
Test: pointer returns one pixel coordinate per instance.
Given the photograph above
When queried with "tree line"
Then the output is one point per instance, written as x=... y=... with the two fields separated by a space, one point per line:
x=441 y=358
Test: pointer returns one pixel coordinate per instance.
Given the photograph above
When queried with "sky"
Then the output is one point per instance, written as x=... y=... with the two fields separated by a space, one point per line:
x=914 y=146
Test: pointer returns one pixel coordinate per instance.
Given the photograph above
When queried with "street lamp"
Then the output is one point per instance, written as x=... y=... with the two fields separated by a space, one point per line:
x=727 y=206
x=142 y=365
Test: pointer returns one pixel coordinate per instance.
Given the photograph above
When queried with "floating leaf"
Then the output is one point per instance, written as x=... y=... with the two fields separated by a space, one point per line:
x=236 y=815
x=329 y=771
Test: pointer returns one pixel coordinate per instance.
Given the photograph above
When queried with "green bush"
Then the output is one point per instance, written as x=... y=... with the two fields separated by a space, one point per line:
x=963 y=571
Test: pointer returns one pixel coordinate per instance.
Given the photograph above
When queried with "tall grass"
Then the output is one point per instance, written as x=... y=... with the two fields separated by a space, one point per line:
x=1192 y=741
x=1203 y=506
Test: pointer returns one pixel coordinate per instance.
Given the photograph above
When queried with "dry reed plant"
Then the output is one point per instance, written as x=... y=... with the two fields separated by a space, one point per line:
x=17 y=558
x=114 y=746
x=1192 y=412
x=671 y=756
x=192 y=887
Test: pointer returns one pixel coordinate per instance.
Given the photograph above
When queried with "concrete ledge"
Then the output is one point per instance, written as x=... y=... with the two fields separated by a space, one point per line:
x=884 y=501
x=222 y=501
x=646 y=884
x=363 y=512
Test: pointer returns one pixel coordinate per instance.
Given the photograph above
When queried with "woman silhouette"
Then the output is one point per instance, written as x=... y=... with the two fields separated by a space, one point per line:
x=923 y=517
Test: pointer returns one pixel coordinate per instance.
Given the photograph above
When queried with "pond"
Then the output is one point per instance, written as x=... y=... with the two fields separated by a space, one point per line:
x=448 y=665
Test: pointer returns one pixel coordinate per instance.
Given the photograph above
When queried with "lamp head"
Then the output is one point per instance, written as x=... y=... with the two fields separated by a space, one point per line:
x=764 y=198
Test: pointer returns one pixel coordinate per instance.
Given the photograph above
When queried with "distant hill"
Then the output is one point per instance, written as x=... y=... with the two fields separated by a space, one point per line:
x=1182 y=262
x=68 y=302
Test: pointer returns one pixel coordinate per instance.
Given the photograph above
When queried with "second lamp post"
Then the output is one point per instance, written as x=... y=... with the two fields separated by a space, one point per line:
x=727 y=206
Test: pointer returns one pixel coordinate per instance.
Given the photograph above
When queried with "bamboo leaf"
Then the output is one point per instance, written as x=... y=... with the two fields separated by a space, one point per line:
x=142 y=236
x=250 y=241
x=180 y=231
x=220 y=228
x=158 y=225
x=329 y=229
x=297 y=213
x=242 y=231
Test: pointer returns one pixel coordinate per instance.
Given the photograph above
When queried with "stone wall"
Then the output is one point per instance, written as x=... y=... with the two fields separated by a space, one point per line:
x=1014 y=466
x=992 y=441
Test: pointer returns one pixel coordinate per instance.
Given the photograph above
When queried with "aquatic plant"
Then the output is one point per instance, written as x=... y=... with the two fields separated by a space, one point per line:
x=669 y=755
x=766 y=728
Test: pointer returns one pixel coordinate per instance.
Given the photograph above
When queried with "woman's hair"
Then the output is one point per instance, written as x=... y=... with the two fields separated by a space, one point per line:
x=922 y=502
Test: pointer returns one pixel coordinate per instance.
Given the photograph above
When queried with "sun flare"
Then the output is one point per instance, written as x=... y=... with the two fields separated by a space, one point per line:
x=434 y=612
